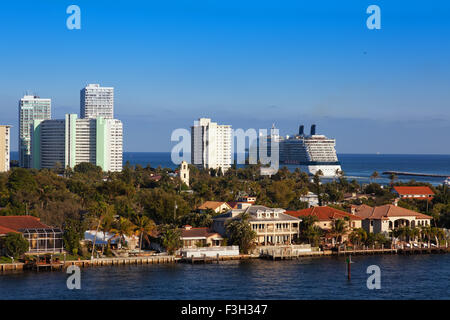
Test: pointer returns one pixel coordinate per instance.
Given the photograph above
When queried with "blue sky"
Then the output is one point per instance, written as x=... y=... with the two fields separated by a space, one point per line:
x=245 y=63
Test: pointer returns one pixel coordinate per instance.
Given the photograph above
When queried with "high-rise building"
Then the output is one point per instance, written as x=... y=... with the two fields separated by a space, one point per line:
x=48 y=144
x=71 y=141
x=96 y=101
x=30 y=108
x=5 y=135
x=211 y=145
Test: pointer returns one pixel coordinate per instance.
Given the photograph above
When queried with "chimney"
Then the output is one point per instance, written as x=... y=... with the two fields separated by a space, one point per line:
x=353 y=210
x=187 y=227
x=301 y=130
x=313 y=129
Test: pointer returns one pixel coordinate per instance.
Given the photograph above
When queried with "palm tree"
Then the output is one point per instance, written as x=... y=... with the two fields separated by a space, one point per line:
x=317 y=185
x=339 y=228
x=309 y=231
x=144 y=227
x=393 y=177
x=99 y=211
x=240 y=232
x=107 y=226
x=358 y=236
x=375 y=175
x=414 y=233
x=123 y=227
x=171 y=239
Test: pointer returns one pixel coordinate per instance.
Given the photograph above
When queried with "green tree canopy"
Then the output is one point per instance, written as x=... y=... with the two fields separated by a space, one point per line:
x=15 y=244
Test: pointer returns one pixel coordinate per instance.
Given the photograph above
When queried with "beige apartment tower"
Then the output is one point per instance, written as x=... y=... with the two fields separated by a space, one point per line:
x=5 y=134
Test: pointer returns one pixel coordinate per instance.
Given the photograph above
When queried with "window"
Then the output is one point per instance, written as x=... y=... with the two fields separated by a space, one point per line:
x=44 y=240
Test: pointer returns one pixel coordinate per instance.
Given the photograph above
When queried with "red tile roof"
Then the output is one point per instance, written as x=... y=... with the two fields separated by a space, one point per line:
x=4 y=230
x=418 y=190
x=15 y=223
x=324 y=213
x=388 y=210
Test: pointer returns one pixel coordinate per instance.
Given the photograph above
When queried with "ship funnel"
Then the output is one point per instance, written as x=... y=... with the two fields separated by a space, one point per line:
x=301 y=130
x=313 y=129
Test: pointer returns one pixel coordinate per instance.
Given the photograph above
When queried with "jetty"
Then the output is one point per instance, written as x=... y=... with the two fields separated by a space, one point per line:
x=208 y=259
x=286 y=253
x=158 y=259
x=402 y=250
x=18 y=266
x=417 y=174
x=51 y=265
x=290 y=252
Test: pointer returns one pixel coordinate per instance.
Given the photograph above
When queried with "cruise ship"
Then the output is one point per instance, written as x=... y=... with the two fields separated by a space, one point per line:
x=311 y=152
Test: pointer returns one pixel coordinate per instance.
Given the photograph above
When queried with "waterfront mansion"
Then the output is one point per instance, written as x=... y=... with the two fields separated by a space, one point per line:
x=272 y=225
x=389 y=217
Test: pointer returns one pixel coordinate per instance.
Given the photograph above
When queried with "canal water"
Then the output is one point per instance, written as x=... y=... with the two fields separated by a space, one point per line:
x=402 y=277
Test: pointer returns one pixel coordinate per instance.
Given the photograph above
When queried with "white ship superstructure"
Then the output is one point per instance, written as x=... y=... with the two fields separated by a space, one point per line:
x=312 y=153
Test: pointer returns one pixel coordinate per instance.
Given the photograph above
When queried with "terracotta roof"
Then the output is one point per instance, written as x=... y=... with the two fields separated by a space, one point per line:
x=213 y=205
x=418 y=190
x=388 y=210
x=4 y=230
x=324 y=213
x=197 y=233
x=15 y=223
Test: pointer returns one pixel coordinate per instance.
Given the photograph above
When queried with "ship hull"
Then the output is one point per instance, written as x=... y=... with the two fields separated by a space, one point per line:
x=328 y=170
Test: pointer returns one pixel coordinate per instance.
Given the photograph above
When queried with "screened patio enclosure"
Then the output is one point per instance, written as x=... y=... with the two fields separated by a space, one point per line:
x=48 y=240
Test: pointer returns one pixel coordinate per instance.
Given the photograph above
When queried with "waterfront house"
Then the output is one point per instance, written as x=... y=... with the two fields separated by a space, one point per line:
x=103 y=238
x=389 y=217
x=416 y=192
x=326 y=216
x=41 y=238
x=272 y=225
x=216 y=206
x=200 y=237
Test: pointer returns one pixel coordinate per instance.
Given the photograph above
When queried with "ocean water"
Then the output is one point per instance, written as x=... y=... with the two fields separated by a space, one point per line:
x=424 y=276
x=355 y=166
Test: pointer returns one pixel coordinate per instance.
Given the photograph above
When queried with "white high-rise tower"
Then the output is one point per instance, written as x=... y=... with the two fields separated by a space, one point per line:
x=211 y=145
x=96 y=101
